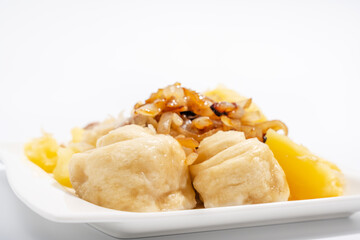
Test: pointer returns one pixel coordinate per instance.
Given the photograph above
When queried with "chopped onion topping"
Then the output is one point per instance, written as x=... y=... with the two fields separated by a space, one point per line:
x=190 y=117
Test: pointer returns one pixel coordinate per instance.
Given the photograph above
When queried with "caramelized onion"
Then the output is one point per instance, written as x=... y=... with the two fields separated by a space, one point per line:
x=221 y=108
x=236 y=113
x=232 y=123
x=151 y=121
x=177 y=120
x=202 y=122
x=252 y=132
x=165 y=123
x=148 y=110
x=188 y=142
x=190 y=117
x=274 y=124
x=245 y=103
x=182 y=131
x=250 y=117
x=198 y=103
x=91 y=125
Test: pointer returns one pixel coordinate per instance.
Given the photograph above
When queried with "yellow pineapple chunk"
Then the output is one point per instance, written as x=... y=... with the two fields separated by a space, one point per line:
x=43 y=152
x=223 y=94
x=61 y=171
x=308 y=175
x=77 y=134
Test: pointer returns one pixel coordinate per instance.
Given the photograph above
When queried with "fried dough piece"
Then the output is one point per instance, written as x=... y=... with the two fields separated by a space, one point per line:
x=209 y=147
x=244 y=173
x=89 y=135
x=134 y=170
x=124 y=133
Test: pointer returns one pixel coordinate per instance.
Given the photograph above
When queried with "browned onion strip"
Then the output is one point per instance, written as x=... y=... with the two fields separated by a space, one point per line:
x=237 y=113
x=177 y=120
x=188 y=142
x=221 y=108
x=202 y=122
x=175 y=92
x=251 y=117
x=190 y=117
x=245 y=103
x=164 y=123
x=232 y=123
x=148 y=110
x=274 y=124
x=252 y=132
x=187 y=133
x=91 y=125
x=152 y=121
x=198 y=103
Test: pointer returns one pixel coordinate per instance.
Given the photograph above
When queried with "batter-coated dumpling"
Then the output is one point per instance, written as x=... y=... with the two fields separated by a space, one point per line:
x=124 y=133
x=211 y=146
x=94 y=132
x=144 y=174
x=244 y=173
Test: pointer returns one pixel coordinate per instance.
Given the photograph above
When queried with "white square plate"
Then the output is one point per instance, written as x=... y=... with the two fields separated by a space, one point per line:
x=40 y=192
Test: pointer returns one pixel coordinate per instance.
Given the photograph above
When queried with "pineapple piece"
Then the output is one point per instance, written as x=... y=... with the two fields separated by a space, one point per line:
x=222 y=93
x=77 y=134
x=308 y=176
x=61 y=171
x=43 y=152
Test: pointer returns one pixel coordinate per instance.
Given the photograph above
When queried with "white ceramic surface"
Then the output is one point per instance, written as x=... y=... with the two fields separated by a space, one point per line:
x=40 y=192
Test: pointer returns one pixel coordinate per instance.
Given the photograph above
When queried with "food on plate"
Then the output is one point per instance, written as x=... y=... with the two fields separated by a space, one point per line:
x=61 y=171
x=223 y=94
x=180 y=150
x=43 y=152
x=308 y=175
x=190 y=117
x=135 y=170
x=127 y=132
x=77 y=134
x=239 y=172
x=86 y=138
x=214 y=145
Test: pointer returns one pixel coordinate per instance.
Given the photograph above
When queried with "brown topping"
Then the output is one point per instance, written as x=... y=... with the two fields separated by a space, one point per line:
x=91 y=125
x=190 y=117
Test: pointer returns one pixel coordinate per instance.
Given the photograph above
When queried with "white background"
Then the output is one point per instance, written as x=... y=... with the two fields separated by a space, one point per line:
x=67 y=63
